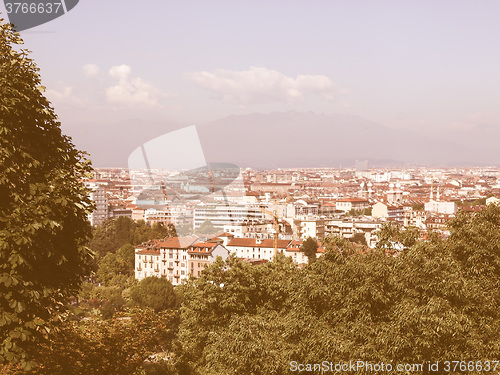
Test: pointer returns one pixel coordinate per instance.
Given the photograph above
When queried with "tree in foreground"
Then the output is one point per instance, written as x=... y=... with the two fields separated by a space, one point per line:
x=43 y=208
x=435 y=299
x=310 y=247
x=155 y=293
x=359 y=238
x=124 y=345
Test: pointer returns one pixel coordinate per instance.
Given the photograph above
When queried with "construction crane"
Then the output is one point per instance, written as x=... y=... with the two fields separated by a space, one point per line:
x=276 y=228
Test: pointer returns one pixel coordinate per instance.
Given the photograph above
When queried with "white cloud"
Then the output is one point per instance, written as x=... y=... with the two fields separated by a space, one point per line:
x=64 y=95
x=90 y=70
x=262 y=85
x=132 y=91
x=120 y=71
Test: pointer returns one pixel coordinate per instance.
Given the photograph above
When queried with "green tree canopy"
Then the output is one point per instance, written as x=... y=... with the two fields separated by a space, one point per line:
x=207 y=228
x=117 y=346
x=43 y=207
x=115 y=233
x=155 y=293
x=310 y=247
x=436 y=299
x=114 y=265
x=392 y=238
x=358 y=238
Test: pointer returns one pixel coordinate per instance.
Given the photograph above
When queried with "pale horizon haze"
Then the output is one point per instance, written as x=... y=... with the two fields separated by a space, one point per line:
x=120 y=73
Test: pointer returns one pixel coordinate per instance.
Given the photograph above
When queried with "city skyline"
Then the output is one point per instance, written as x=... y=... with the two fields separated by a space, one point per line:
x=119 y=76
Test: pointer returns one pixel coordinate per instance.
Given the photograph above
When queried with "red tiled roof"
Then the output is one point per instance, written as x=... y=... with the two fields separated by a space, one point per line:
x=147 y=252
x=177 y=242
x=352 y=200
x=224 y=234
x=202 y=248
x=252 y=242
x=282 y=244
x=245 y=242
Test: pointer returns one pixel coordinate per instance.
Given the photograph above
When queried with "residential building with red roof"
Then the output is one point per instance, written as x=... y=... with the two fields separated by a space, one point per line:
x=348 y=204
x=255 y=248
x=176 y=258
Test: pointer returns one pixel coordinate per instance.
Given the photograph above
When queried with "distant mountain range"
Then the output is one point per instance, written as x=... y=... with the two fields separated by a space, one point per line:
x=293 y=139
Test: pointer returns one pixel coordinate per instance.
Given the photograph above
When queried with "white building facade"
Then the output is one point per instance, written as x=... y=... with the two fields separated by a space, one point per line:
x=176 y=258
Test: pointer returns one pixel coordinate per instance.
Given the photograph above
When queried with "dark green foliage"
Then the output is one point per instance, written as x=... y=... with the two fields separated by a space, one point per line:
x=126 y=259
x=117 y=346
x=392 y=238
x=310 y=247
x=114 y=303
x=417 y=207
x=476 y=202
x=155 y=293
x=114 y=233
x=104 y=238
x=207 y=228
x=43 y=208
x=476 y=241
x=433 y=300
x=116 y=267
x=159 y=230
x=359 y=238
x=365 y=211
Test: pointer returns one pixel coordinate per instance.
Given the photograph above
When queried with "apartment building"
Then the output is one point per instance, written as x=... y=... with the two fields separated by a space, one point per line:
x=415 y=218
x=348 y=204
x=221 y=214
x=348 y=227
x=176 y=258
x=250 y=248
x=441 y=207
x=202 y=254
x=392 y=212
x=305 y=227
x=100 y=213
x=253 y=248
x=154 y=216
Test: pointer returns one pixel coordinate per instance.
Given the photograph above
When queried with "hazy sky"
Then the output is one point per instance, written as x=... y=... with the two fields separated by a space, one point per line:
x=410 y=64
